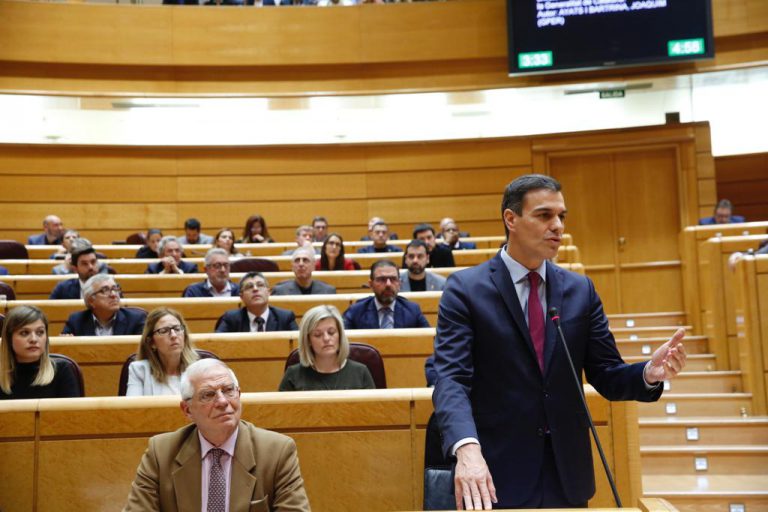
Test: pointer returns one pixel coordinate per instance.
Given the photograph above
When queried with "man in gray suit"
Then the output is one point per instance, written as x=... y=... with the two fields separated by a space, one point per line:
x=416 y=278
x=303 y=263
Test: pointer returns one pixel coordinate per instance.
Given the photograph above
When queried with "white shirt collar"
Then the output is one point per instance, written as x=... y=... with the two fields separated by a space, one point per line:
x=518 y=271
x=228 y=445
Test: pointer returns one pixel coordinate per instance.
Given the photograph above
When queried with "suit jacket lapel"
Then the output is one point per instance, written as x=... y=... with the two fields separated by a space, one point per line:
x=554 y=299
x=245 y=323
x=120 y=323
x=243 y=480
x=272 y=322
x=186 y=476
x=505 y=286
x=373 y=314
x=90 y=325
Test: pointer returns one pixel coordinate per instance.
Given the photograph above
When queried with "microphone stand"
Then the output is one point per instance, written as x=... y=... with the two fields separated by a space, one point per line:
x=553 y=314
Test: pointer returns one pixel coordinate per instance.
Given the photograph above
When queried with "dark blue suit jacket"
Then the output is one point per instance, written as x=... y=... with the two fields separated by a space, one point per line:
x=128 y=321
x=236 y=320
x=200 y=290
x=67 y=289
x=708 y=221
x=41 y=240
x=369 y=249
x=185 y=266
x=489 y=385
x=363 y=314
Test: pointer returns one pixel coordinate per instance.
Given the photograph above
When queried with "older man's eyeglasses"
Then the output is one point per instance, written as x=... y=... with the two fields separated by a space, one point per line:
x=164 y=331
x=219 y=266
x=207 y=396
x=108 y=290
x=251 y=286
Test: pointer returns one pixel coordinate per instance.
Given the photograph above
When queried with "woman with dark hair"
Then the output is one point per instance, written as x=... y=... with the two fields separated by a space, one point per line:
x=256 y=231
x=332 y=255
x=225 y=239
x=26 y=368
x=165 y=351
x=149 y=250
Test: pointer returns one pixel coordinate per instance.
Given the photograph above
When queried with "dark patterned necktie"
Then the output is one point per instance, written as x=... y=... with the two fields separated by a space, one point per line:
x=259 y=324
x=387 y=318
x=217 y=485
x=536 y=318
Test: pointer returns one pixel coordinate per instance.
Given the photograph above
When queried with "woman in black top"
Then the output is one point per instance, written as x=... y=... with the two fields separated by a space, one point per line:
x=26 y=370
x=323 y=352
x=149 y=250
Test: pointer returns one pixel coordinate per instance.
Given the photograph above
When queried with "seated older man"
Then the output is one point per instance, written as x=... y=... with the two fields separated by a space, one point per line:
x=53 y=229
x=104 y=316
x=170 y=259
x=218 y=462
x=303 y=264
x=218 y=283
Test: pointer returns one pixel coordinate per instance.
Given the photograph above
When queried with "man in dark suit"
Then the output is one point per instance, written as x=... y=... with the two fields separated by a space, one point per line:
x=439 y=255
x=303 y=263
x=104 y=316
x=723 y=215
x=386 y=309
x=219 y=462
x=257 y=315
x=170 y=259
x=450 y=234
x=218 y=283
x=502 y=378
x=53 y=230
x=380 y=237
x=84 y=260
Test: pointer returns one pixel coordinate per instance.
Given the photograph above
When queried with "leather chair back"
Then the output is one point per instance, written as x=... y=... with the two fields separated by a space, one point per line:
x=62 y=360
x=362 y=353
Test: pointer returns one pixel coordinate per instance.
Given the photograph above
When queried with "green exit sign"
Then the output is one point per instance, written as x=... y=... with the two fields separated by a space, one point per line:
x=534 y=60
x=683 y=47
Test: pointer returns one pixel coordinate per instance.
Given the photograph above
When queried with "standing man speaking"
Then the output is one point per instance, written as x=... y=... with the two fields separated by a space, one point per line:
x=505 y=399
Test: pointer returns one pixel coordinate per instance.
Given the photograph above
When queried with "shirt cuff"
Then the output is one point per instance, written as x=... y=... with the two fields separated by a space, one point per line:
x=648 y=386
x=461 y=442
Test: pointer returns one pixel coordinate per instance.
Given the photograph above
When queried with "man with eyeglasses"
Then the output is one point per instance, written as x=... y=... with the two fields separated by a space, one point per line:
x=386 y=309
x=170 y=262
x=104 y=316
x=219 y=462
x=303 y=264
x=257 y=315
x=450 y=236
x=217 y=284
x=380 y=236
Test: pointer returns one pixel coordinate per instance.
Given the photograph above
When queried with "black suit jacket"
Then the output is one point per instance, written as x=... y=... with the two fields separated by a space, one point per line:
x=128 y=321
x=68 y=289
x=236 y=320
x=489 y=385
x=441 y=256
x=185 y=266
x=200 y=290
x=363 y=315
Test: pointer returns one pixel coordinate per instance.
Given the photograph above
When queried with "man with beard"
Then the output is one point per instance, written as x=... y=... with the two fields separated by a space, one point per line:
x=439 y=255
x=104 y=316
x=218 y=283
x=85 y=264
x=385 y=310
x=416 y=278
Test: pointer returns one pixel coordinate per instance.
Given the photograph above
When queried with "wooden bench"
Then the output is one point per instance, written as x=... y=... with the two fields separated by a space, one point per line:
x=82 y=454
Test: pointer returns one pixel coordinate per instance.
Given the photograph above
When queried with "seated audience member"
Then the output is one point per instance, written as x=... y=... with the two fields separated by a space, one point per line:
x=332 y=255
x=415 y=278
x=192 y=234
x=104 y=316
x=303 y=264
x=323 y=356
x=170 y=262
x=149 y=250
x=85 y=264
x=373 y=221
x=450 y=236
x=257 y=315
x=217 y=284
x=723 y=215
x=26 y=369
x=225 y=239
x=256 y=231
x=219 y=462
x=304 y=236
x=380 y=237
x=319 y=228
x=64 y=253
x=3 y=271
x=165 y=351
x=386 y=309
x=53 y=229
x=439 y=255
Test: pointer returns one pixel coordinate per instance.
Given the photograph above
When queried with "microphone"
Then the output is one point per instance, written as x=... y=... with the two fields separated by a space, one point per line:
x=555 y=317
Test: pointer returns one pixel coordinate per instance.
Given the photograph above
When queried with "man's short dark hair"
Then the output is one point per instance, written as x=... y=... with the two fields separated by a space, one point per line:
x=416 y=243
x=382 y=263
x=420 y=228
x=319 y=218
x=80 y=247
x=192 y=223
x=724 y=203
x=251 y=275
x=515 y=192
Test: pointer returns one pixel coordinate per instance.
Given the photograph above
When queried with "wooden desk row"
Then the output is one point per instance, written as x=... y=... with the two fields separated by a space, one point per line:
x=358 y=450
x=468 y=258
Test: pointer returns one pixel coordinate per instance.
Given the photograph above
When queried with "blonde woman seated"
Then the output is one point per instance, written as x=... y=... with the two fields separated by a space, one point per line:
x=26 y=369
x=164 y=353
x=323 y=351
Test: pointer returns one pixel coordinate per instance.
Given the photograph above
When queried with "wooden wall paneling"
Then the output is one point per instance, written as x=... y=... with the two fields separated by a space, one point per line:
x=604 y=278
x=649 y=288
x=17 y=451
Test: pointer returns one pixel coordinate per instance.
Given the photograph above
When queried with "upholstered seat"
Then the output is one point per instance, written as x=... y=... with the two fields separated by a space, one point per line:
x=361 y=353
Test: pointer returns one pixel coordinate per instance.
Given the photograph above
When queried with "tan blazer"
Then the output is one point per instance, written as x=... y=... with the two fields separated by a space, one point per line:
x=265 y=473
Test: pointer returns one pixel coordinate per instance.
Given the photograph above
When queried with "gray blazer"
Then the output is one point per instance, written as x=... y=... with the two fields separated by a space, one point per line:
x=435 y=282
x=291 y=288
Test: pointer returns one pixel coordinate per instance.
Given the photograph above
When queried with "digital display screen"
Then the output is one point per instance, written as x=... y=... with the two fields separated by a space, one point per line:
x=569 y=35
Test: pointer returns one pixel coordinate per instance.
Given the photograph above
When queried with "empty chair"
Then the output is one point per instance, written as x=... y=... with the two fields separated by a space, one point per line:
x=7 y=290
x=254 y=265
x=136 y=239
x=362 y=353
x=13 y=250
x=60 y=360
